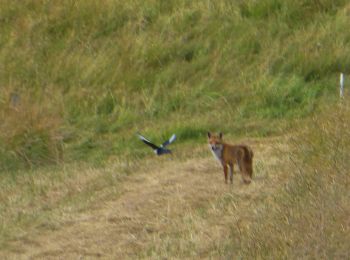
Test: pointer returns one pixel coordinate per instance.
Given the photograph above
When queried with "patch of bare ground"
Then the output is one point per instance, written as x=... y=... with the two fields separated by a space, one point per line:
x=168 y=208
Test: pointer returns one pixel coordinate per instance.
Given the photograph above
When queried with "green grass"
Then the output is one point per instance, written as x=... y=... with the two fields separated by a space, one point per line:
x=91 y=74
x=108 y=70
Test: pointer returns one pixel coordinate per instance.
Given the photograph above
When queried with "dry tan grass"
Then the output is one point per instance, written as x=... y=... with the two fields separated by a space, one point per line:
x=171 y=208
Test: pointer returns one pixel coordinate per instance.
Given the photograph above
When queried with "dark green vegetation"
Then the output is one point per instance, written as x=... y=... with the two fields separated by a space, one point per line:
x=89 y=74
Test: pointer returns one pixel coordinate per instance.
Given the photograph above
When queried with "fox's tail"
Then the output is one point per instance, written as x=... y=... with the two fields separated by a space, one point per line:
x=248 y=165
x=251 y=152
x=248 y=155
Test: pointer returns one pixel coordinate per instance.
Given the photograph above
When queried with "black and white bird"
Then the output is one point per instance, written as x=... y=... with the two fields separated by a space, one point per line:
x=158 y=150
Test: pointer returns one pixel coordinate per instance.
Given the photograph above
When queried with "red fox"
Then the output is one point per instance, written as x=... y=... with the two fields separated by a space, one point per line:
x=229 y=155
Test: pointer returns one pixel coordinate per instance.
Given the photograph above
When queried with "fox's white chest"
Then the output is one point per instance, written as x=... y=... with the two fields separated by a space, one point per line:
x=216 y=153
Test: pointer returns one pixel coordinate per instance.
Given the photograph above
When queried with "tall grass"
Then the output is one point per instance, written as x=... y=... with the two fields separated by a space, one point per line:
x=308 y=218
x=30 y=133
x=112 y=68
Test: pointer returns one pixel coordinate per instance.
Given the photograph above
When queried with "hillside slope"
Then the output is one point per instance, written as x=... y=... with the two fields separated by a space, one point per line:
x=79 y=78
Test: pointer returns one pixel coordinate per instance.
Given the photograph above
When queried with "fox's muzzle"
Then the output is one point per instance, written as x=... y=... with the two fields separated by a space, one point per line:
x=214 y=147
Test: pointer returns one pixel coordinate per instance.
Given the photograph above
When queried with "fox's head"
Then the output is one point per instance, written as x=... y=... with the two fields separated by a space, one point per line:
x=215 y=141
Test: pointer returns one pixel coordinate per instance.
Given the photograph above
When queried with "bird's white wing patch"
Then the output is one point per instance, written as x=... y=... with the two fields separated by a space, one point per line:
x=143 y=138
x=172 y=138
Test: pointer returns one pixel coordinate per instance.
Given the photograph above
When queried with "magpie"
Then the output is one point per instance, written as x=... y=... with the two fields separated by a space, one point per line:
x=158 y=150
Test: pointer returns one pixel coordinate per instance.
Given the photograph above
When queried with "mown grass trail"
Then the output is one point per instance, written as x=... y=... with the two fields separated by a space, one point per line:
x=166 y=208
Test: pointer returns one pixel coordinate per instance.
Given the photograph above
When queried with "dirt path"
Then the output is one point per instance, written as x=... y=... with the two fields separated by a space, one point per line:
x=175 y=210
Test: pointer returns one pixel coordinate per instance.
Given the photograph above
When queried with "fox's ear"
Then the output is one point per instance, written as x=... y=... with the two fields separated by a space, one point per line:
x=209 y=134
x=220 y=135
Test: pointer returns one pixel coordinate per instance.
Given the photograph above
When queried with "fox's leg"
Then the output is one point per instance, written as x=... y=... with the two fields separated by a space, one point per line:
x=239 y=166
x=225 y=172
x=246 y=174
x=231 y=172
x=243 y=171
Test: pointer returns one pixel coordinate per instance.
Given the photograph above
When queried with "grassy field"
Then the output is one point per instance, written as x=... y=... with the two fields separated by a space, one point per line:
x=79 y=78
